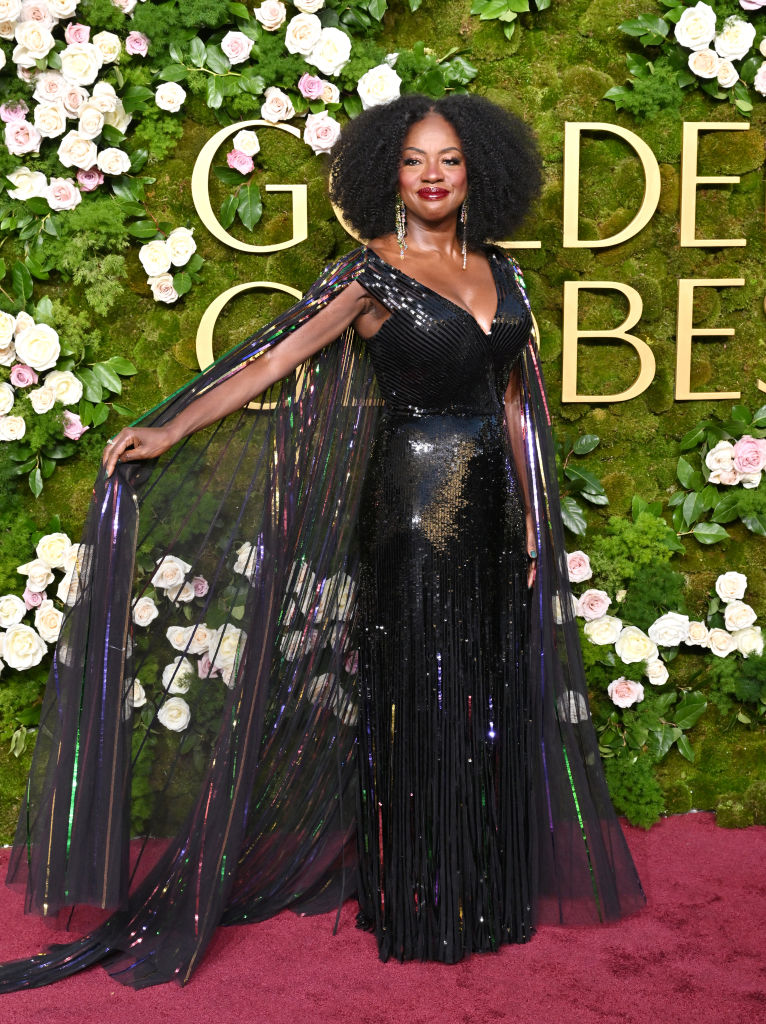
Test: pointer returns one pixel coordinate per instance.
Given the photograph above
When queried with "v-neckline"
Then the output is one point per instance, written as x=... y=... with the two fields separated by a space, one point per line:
x=444 y=298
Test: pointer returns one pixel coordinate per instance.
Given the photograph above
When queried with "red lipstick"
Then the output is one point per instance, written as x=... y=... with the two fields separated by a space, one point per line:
x=432 y=192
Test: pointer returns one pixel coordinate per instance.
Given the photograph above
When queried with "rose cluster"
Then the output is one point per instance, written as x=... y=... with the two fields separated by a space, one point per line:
x=159 y=255
x=696 y=31
x=740 y=463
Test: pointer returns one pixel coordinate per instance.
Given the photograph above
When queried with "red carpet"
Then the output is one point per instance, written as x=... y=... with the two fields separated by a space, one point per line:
x=695 y=955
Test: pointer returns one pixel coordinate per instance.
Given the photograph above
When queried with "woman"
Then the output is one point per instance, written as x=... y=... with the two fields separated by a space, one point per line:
x=395 y=634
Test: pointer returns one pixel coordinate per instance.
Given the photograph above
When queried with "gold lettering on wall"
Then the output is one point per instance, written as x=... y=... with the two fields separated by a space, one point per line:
x=685 y=334
x=572 y=334
x=690 y=180
x=201 y=192
x=572 y=135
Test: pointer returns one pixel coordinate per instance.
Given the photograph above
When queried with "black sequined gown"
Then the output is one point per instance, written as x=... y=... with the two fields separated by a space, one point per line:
x=443 y=758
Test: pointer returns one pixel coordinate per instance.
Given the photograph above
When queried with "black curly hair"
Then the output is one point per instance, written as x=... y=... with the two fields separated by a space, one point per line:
x=503 y=164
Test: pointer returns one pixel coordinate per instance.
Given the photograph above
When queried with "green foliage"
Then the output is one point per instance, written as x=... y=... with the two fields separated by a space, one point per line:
x=102 y=278
x=735 y=683
x=634 y=790
x=650 y=94
x=655 y=588
x=625 y=547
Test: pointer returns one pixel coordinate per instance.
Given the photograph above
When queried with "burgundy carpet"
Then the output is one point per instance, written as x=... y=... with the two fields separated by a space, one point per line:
x=697 y=954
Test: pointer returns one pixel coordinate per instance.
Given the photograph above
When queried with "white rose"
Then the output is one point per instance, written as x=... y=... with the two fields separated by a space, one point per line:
x=7 y=398
x=163 y=289
x=23 y=647
x=572 y=707
x=271 y=14
x=7 y=327
x=698 y=635
x=7 y=356
x=236 y=46
x=91 y=122
x=27 y=184
x=69 y=588
x=75 y=97
x=48 y=621
x=727 y=74
x=137 y=695
x=145 y=611
x=670 y=629
x=12 y=610
x=736 y=38
x=174 y=714
x=169 y=96
x=337 y=596
x=155 y=257
x=181 y=594
x=321 y=132
x=276 y=106
x=303 y=33
x=696 y=27
x=178 y=675
x=118 y=118
x=731 y=586
x=50 y=119
x=625 y=692
x=332 y=51
x=81 y=63
x=738 y=615
x=77 y=151
x=109 y=45
x=246 y=560
x=378 y=86
x=749 y=641
x=330 y=93
x=656 y=672
x=50 y=86
x=728 y=477
x=592 y=604
x=246 y=142
x=721 y=643
x=634 y=645
x=73 y=559
x=10 y=10
x=195 y=639
x=226 y=645
x=35 y=39
x=578 y=567
x=309 y=6
x=7 y=30
x=38 y=574
x=704 y=63
x=171 y=571
x=62 y=8
x=38 y=346
x=180 y=245
x=63 y=194
x=604 y=630
x=750 y=480
x=178 y=636
x=12 y=428
x=68 y=388
x=721 y=456
x=105 y=98
x=113 y=161
x=53 y=549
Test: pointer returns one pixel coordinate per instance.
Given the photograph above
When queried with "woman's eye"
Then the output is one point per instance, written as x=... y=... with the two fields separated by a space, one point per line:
x=409 y=161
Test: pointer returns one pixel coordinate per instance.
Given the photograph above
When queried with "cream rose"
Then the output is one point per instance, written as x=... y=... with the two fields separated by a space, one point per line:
x=113 y=161
x=63 y=194
x=91 y=122
x=271 y=14
x=68 y=589
x=68 y=388
x=182 y=594
x=12 y=610
x=303 y=33
x=592 y=604
x=10 y=10
x=81 y=63
x=336 y=598
x=35 y=39
x=226 y=645
x=731 y=586
x=670 y=629
x=23 y=647
x=171 y=572
x=180 y=245
x=178 y=676
x=105 y=98
x=118 y=118
x=196 y=639
x=27 y=184
x=38 y=346
x=749 y=641
x=330 y=93
x=7 y=328
x=237 y=47
x=169 y=96
x=38 y=574
x=62 y=8
x=331 y=52
x=246 y=560
x=309 y=6
x=721 y=643
x=75 y=98
x=163 y=289
x=276 y=106
x=727 y=74
x=625 y=692
x=7 y=29
x=155 y=257
x=48 y=621
x=634 y=645
x=572 y=707
x=12 y=428
x=321 y=132
x=53 y=549
x=7 y=398
x=721 y=456
x=696 y=27
x=136 y=695
x=604 y=630
x=77 y=151
x=704 y=63
x=7 y=356
x=174 y=714
x=738 y=615
x=736 y=38
x=750 y=480
x=246 y=142
x=145 y=611
x=109 y=46
x=50 y=119
x=379 y=85
x=656 y=672
x=698 y=635
x=50 y=86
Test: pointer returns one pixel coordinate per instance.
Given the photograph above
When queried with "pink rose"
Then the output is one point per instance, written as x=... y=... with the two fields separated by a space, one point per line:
x=73 y=428
x=205 y=668
x=240 y=161
x=310 y=86
x=88 y=180
x=752 y=5
x=750 y=452
x=15 y=111
x=33 y=599
x=578 y=565
x=351 y=662
x=22 y=137
x=77 y=33
x=22 y=375
x=236 y=46
x=137 y=44
x=759 y=82
x=592 y=604
x=321 y=132
x=625 y=692
x=200 y=586
x=62 y=194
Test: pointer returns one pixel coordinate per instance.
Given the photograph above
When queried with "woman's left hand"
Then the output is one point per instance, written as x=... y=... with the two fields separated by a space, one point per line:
x=532 y=551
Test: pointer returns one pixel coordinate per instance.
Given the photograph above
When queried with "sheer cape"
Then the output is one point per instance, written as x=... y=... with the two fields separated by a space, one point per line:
x=241 y=770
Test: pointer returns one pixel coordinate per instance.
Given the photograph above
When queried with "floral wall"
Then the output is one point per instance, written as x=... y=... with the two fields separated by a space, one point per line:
x=106 y=269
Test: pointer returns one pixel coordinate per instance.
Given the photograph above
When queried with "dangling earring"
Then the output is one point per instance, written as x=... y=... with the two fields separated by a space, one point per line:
x=401 y=225
x=463 y=216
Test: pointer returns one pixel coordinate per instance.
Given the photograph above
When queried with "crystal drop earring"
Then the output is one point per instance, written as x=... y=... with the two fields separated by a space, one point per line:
x=463 y=216
x=401 y=225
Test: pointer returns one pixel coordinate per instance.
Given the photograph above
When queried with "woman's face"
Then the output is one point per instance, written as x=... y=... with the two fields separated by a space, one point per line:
x=432 y=176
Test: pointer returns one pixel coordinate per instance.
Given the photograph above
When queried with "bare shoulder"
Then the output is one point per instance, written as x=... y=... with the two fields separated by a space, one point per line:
x=385 y=246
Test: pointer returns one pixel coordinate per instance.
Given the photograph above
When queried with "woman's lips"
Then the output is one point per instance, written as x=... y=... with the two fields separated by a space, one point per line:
x=432 y=193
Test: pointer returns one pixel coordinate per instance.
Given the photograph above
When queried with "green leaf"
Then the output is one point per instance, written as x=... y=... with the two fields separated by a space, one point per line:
x=685 y=748
x=709 y=533
x=249 y=206
x=195 y=262
x=694 y=437
x=138 y=158
x=176 y=52
x=727 y=509
x=214 y=94
x=689 y=709
x=197 y=52
x=126 y=188
x=111 y=135
x=100 y=413
x=756 y=523
x=584 y=480
x=107 y=377
x=759 y=417
x=377 y=8
x=709 y=497
x=252 y=83
x=36 y=482
x=122 y=410
x=182 y=282
x=216 y=60
x=228 y=175
x=228 y=211
x=661 y=740
x=638 y=66
x=92 y=389
x=692 y=507
x=677 y=498
x=143 y=229
x=585 y=443
x=637 y=506
x=415 y=4
x=352 y=105
x=594 y=499
x=573 y=517
x=44 y=310
x=22 y=282
x=122 y=366
x=173 y=73
x=686 y=473
x=741 y=413
x=37 y=205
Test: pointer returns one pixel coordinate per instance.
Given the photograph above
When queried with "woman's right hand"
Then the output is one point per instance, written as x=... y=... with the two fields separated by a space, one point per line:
x=135 y=443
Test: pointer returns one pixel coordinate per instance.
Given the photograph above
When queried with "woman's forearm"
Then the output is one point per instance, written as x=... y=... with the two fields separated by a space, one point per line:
x=515 y=424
